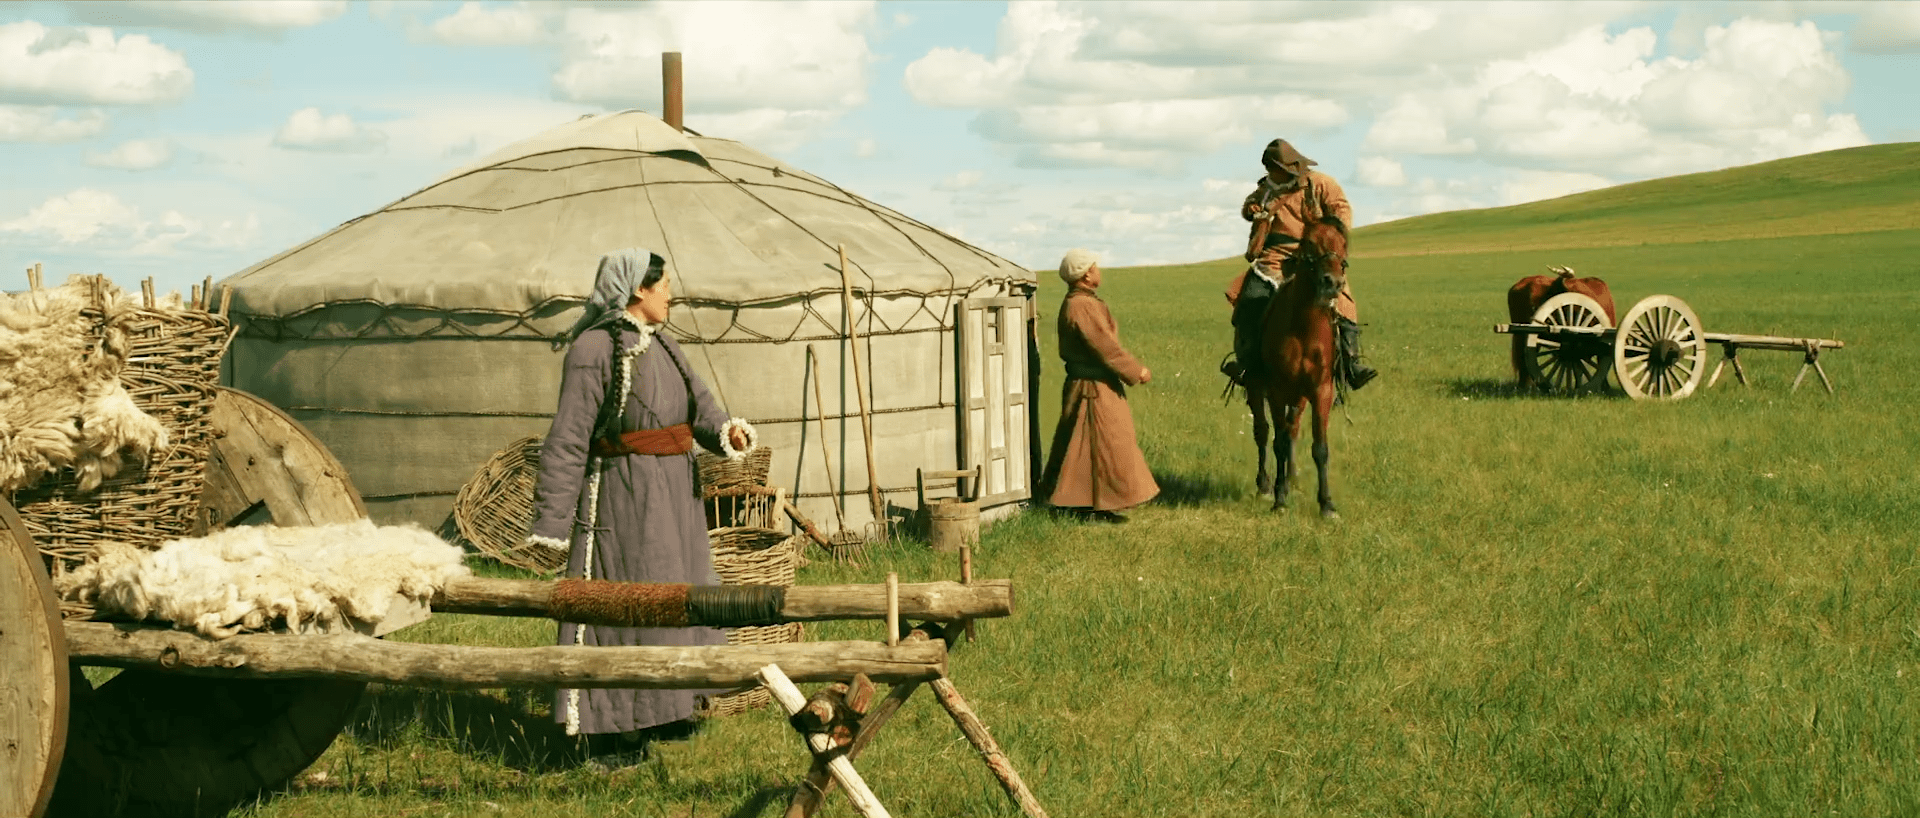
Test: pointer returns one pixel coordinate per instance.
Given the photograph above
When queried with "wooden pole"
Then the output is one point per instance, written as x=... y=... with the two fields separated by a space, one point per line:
x=982 y=740
x=893 y=608
x=838 y=766
x=840 y=490
x=859 y=386
x=966 y=578
x=933 y=601
x=671 y=89
x=352 y=657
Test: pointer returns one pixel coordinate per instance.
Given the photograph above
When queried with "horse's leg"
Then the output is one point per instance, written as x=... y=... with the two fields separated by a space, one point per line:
x=1257 y=404
x=1322 y=410
x=1283 y=449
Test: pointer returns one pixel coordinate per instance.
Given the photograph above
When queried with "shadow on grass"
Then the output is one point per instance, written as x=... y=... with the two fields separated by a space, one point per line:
x=1185 y=490
x=1500 y=388
x=511 y=731
x=761 y=799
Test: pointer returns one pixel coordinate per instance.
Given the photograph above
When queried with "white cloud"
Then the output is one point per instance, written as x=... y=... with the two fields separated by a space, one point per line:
x=212 y=16
x=1219 y=185
x=475 y=24
x=136 y=154
x=1380 y=171
x=109 y=225
x=768 y=73
x=1535 y=185
x=76 y=217
x=1150 y=84
x=20 y=123
x=959 y=181
x=1888 y=28
x=87 y=66
x=1598 y=103
x=310 y=130
x=865 y=148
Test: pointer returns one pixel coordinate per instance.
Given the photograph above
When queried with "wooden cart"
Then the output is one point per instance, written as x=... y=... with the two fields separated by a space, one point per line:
x=192 y=726
x=1658 y=351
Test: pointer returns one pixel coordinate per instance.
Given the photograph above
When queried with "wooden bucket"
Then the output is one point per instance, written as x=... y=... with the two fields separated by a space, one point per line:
x=952 y=522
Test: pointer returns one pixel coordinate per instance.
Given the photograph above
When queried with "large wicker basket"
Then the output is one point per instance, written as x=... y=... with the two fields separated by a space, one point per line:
x=745 y=555
x=173 y=368
x=494 y=509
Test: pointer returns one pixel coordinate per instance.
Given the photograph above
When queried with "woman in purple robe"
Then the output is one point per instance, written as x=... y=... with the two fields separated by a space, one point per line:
x=617 y=489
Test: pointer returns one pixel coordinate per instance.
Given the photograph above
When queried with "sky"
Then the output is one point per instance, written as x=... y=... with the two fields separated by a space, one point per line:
x=181 y=140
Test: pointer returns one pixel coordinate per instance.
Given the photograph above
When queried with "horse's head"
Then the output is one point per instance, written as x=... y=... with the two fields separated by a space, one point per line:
x=1323 y=259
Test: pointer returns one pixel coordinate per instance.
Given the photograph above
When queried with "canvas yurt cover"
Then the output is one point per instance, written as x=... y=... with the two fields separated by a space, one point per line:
x=416 y=341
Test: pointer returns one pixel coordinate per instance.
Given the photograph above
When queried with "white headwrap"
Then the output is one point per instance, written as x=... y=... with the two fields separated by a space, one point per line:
x=1077 y=264
x=620 y=274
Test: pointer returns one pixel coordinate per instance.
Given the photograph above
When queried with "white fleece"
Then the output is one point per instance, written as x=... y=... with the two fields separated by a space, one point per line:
x=61 y=401
x=257 y=578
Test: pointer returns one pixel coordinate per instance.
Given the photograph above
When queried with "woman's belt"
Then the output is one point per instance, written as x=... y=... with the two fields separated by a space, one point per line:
x=1086 y=372
x=675 y=439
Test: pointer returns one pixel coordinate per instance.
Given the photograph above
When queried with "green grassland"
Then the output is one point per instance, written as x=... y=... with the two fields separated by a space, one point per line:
x=1533 y=605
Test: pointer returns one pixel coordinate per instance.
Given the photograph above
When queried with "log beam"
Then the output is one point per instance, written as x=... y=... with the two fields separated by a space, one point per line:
x=933 y=601
x=353 y=657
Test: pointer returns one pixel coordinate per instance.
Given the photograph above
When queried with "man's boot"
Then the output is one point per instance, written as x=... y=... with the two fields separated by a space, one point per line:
x=1249 y=321
x=1246 y=353
x=1357 y=373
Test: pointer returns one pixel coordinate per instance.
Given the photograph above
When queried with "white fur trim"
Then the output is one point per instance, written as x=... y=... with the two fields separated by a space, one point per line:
x=549 y=542
x=726 y=438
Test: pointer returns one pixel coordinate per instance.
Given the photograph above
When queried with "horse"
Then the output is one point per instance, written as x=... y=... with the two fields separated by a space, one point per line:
x=1298 y=348
x=1529 y=293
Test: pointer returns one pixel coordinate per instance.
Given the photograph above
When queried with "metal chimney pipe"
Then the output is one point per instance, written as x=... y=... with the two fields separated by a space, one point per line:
x=670 y=78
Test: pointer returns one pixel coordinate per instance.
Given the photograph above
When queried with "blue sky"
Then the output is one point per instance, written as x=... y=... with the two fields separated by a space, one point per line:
x=181 y=140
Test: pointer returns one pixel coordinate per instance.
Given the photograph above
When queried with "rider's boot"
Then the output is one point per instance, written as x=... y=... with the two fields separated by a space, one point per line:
x=1357 y=373
x=1246 y=353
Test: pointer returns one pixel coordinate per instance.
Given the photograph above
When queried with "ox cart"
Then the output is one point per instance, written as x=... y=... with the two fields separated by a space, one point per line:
x=1657 y=352
x=194 y=726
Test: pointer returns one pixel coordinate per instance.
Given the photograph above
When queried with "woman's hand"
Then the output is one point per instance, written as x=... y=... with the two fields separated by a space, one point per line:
x=738 y=437
x=1146 y=375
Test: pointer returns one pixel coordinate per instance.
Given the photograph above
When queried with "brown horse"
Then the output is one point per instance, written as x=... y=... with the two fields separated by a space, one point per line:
x=1529 y=293
x=1298 y=349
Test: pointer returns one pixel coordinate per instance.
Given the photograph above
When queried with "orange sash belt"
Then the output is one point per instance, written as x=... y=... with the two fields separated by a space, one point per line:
x=675 y=439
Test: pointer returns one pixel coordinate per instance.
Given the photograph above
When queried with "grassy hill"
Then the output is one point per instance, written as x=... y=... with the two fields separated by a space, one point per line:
x=1855 y=190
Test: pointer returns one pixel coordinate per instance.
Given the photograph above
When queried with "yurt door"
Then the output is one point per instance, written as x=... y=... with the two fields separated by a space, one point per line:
x=993 y=396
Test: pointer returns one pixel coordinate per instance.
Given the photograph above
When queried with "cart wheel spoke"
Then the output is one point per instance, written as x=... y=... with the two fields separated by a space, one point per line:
x=1660 y=353
x=1567 y=363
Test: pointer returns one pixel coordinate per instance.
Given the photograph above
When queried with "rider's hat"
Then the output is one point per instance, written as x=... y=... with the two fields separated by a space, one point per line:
x=1279 y=152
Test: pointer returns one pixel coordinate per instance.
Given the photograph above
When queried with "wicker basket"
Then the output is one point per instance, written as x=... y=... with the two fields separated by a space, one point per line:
x=173 y=368
x=754 y=556
x=718 y=472
x=494 y=509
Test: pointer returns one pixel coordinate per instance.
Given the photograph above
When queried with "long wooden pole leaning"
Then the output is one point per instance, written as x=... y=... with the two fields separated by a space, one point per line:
x=859 y=385
x=840 y=491
x=352 y=657
x=792 y=700
x=976 y=732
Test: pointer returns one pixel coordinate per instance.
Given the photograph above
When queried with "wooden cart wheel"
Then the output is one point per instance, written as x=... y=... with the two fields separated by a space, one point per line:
x=33 y=674
x=1570 y=364
x=1659 y=352
x=156 y=743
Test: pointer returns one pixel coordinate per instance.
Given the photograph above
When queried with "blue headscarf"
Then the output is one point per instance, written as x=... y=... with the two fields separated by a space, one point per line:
x=620 y=274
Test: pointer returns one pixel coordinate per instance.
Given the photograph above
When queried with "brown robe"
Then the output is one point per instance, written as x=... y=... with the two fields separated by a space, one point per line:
x=1094 y=462
x=1292 y=209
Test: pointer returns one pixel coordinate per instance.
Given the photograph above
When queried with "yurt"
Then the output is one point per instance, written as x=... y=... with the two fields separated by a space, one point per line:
x=416 y=341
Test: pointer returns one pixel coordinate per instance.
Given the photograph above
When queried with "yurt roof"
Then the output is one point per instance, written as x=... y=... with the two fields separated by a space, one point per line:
x=528 y=224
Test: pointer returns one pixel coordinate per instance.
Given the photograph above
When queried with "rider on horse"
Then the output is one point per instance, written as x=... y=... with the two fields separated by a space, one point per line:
x=1281 y=204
